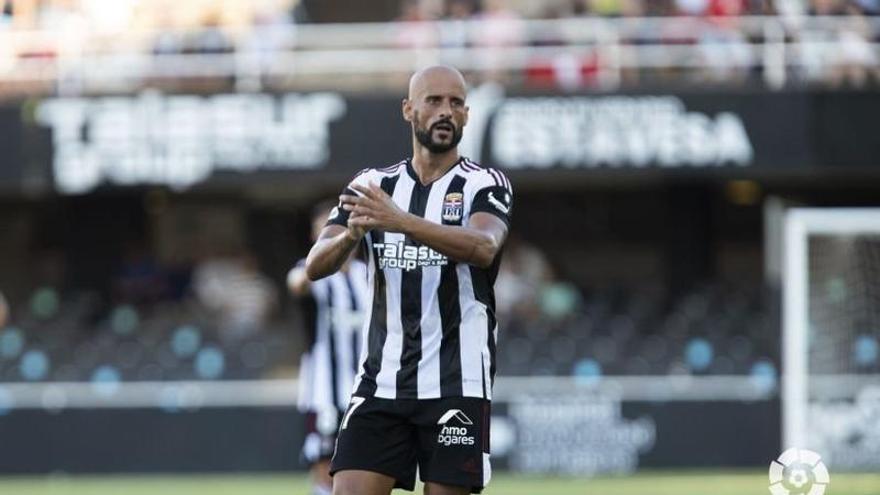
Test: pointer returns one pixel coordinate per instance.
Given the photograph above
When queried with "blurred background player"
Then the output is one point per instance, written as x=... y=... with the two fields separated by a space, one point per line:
x=328 y=367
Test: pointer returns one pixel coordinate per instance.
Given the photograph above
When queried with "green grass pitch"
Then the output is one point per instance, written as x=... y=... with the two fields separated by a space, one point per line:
x=644 y=483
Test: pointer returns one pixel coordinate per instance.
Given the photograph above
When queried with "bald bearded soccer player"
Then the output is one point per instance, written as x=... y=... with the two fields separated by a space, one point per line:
x=432 y=227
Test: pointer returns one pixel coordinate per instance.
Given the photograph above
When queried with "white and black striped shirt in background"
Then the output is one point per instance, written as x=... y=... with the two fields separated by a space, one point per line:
x=430 y=329
x=328 y=369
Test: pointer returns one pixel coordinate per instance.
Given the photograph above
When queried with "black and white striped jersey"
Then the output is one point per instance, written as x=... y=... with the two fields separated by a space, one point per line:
x=430 y=329
x=328 y=369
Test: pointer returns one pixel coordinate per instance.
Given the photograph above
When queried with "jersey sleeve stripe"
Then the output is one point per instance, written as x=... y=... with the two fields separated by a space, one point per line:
x=468 y=165
x=360 y=173
x=494 y=174
x=502 y=178
x=390 y=169
x=476 y=166
x=506 y=181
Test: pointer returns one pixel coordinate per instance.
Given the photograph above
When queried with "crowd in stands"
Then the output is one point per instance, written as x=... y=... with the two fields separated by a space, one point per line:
x=727 y=48
x=725 y=44
x=113 y=16
x=105 y=17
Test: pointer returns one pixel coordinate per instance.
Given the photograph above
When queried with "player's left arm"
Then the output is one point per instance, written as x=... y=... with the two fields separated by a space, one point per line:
x=476 y=244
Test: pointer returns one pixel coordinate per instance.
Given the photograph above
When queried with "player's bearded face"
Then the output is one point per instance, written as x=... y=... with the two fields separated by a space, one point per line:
x=439 y=137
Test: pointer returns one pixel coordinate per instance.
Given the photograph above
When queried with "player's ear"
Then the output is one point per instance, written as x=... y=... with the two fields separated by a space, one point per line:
x=467 y=112
x=406 y=109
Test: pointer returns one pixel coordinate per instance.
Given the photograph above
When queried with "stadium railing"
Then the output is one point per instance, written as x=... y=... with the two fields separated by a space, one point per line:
x=781 y=51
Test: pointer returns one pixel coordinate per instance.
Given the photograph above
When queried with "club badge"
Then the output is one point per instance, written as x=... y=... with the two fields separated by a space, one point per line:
x=453 y=205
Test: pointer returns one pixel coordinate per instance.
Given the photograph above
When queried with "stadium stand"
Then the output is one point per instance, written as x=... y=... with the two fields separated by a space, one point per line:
x=713 y=330
x=96 y=46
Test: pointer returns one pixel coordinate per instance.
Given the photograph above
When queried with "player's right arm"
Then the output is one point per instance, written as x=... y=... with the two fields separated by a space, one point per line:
x=337 y=240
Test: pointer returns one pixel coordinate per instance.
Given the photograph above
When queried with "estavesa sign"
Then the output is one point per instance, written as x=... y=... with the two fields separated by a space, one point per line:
x=601 y=131
x=181 y=140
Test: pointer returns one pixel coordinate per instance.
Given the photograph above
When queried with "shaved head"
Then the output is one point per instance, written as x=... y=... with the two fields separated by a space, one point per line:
x=436 y=108
x=434 y=75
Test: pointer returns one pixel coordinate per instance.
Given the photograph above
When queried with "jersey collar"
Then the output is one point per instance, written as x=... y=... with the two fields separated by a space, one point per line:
x=415 y=177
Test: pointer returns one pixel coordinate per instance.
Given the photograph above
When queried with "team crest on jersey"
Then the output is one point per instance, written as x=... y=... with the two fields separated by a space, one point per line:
x=453 y=204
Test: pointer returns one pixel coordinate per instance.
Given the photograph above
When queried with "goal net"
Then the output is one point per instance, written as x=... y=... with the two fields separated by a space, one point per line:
x=831 y=335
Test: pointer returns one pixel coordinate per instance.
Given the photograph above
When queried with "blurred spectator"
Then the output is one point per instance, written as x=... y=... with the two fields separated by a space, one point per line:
x=856 y=63
x=527 y=289
x=168 y=41
x=415 y=32
x=658 y=7
x=722 y=11
x=762 y=7
x=458 y=13
x=842 y=57
x=608 y=8
x=564 y=69
x=726 y=52
x=5 y=13
x=692 y=7
x=826 y=7
x=239 y=296
x=523 y=273
x=275 y=31
x=868 y=7
x=501 y=28
x=502 y=25
x=210 y=38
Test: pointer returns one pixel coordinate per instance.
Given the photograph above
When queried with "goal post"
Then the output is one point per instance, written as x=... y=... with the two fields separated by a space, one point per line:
x=831 y=305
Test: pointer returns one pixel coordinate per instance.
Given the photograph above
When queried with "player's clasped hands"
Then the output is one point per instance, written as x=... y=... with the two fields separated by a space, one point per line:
x=373 y=209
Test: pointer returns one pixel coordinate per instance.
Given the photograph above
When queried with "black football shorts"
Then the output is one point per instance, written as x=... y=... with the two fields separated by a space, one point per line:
x=448 y=439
